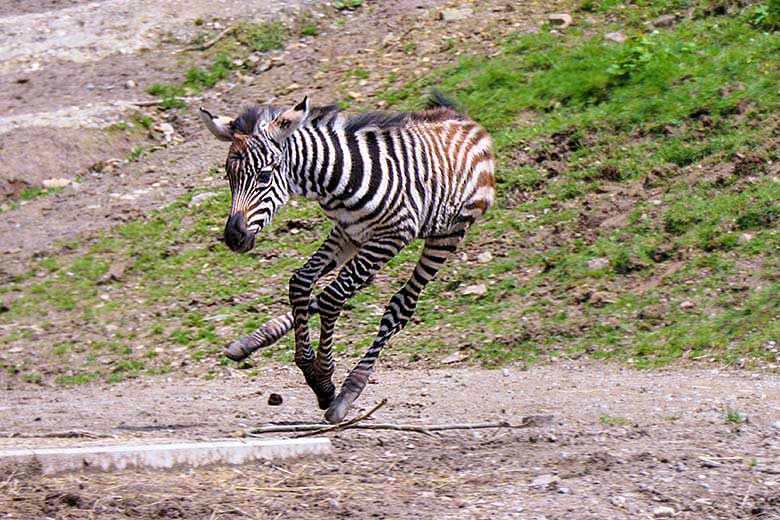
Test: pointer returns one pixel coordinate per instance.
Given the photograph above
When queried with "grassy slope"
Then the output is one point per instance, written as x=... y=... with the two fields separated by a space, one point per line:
x=637 y=219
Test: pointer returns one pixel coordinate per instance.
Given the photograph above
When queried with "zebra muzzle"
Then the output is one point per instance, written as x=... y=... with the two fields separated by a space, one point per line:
x=237 y=236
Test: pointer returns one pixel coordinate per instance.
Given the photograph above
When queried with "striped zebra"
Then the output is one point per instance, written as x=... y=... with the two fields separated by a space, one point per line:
x=384 y=180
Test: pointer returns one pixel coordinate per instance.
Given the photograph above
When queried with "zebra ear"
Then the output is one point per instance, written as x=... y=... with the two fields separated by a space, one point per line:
x=221 y=127
x=288 y=122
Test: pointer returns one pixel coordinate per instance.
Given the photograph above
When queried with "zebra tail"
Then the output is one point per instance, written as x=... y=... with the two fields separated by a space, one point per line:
x=439 y=100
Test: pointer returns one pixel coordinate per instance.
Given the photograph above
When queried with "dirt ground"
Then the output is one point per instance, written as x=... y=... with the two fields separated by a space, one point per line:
x=692 y=444
x=619 y=444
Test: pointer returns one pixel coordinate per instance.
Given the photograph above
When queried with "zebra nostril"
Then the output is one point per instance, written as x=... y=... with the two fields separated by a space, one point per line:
x=237 y=237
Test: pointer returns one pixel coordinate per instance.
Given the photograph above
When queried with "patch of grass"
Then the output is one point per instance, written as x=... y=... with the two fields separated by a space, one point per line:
x=614 y=421
x=261 y=37
x=349 y=5
x=734 y=416
x=309 y=29
x=80 y=378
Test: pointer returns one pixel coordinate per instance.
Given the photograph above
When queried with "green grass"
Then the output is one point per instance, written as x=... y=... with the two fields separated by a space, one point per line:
x=242 y=40
x=666 y=109
x=637 y=221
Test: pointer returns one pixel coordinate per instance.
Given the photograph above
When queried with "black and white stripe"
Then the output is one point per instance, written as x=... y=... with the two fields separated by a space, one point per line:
x=384 y=180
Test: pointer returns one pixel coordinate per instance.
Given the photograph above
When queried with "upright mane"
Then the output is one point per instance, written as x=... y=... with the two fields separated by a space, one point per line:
x=438 y=108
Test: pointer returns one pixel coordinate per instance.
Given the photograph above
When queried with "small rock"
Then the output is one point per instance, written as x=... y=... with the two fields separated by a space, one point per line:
x=264 y=66
x=478 y=289
x=560 y=20
x=666 y=20
x=542 y=481
x=617 y=37
x=115 y=273
x=166 y=130
x=663 y=512
x=484 y=257
x=200 y=198
x=129 y=84
x=505 y=372
x=680 y=467
x=597 y=264
x=274 y=400
x=618 y=500
x=686 y=305
x=601 y=298
x=59 y=182
x=454 y=15
x=745 y=237
x=455 y=357
x=564 y=490
x=776 y=424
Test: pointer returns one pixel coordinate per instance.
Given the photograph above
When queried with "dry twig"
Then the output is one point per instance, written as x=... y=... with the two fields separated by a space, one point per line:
x=204 y=46
x=66 y=434
x=343 y=426
x=355 y=424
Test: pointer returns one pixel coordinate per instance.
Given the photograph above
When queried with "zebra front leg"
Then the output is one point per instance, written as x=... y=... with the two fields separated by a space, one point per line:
x=271 y=332
x=332 y=253
x=356 y=274
x=397 y=314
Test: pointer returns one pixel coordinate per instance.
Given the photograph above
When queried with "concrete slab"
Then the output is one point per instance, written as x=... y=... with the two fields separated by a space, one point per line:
x=165 y=456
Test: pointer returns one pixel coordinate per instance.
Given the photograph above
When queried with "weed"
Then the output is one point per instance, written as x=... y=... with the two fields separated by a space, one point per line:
x=261 y=37
x=765 y=15
x=309 y=29
x=614 y=421
x=350 y=5
x=734 y=416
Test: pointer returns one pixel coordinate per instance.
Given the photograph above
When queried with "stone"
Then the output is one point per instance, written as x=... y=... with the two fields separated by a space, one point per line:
x=166 y=130
x=666 y=20
x=275 y=400
x=745 y=238
x=478 y=289
x=455 y=357
x=616 y=37
x=484 y=257
x=454 y=15
x=663 y=512
x=776 y=424
x=560 y=20
x=686 y=305
x=130 y=84
x=200 y=198
x=542 y=481
x=597 y=264
x=115 y=273
x=59 y=182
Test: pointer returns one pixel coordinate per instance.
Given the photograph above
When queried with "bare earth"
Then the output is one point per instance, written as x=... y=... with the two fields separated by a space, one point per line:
x=693 y=444
x=620 y=444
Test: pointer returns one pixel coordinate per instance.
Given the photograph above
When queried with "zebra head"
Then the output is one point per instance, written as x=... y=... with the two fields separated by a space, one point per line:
x=255 y=167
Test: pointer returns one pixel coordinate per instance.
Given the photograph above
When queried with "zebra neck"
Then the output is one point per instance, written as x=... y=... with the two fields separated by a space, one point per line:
x=318 y=162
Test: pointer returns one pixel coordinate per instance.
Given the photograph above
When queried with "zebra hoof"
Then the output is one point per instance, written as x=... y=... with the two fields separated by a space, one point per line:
x=337 y=411
x=326 y=400
x=236 y=351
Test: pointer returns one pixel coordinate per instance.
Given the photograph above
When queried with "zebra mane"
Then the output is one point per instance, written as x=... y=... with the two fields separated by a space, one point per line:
x=438 y=108
x=253 y=115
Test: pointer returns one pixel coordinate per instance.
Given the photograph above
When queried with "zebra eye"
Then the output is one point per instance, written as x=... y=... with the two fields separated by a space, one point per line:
x=264 y=175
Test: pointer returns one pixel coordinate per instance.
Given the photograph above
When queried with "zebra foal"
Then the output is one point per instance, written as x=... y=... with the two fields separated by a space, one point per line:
x=384 y=180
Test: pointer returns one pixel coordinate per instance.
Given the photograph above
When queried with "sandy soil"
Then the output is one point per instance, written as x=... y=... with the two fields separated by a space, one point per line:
x=619 y=444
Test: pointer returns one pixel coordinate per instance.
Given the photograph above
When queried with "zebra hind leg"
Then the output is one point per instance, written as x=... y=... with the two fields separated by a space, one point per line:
x=397 y=314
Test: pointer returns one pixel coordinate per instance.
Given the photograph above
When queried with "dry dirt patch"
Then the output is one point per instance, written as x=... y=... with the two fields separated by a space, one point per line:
x=621 y=445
